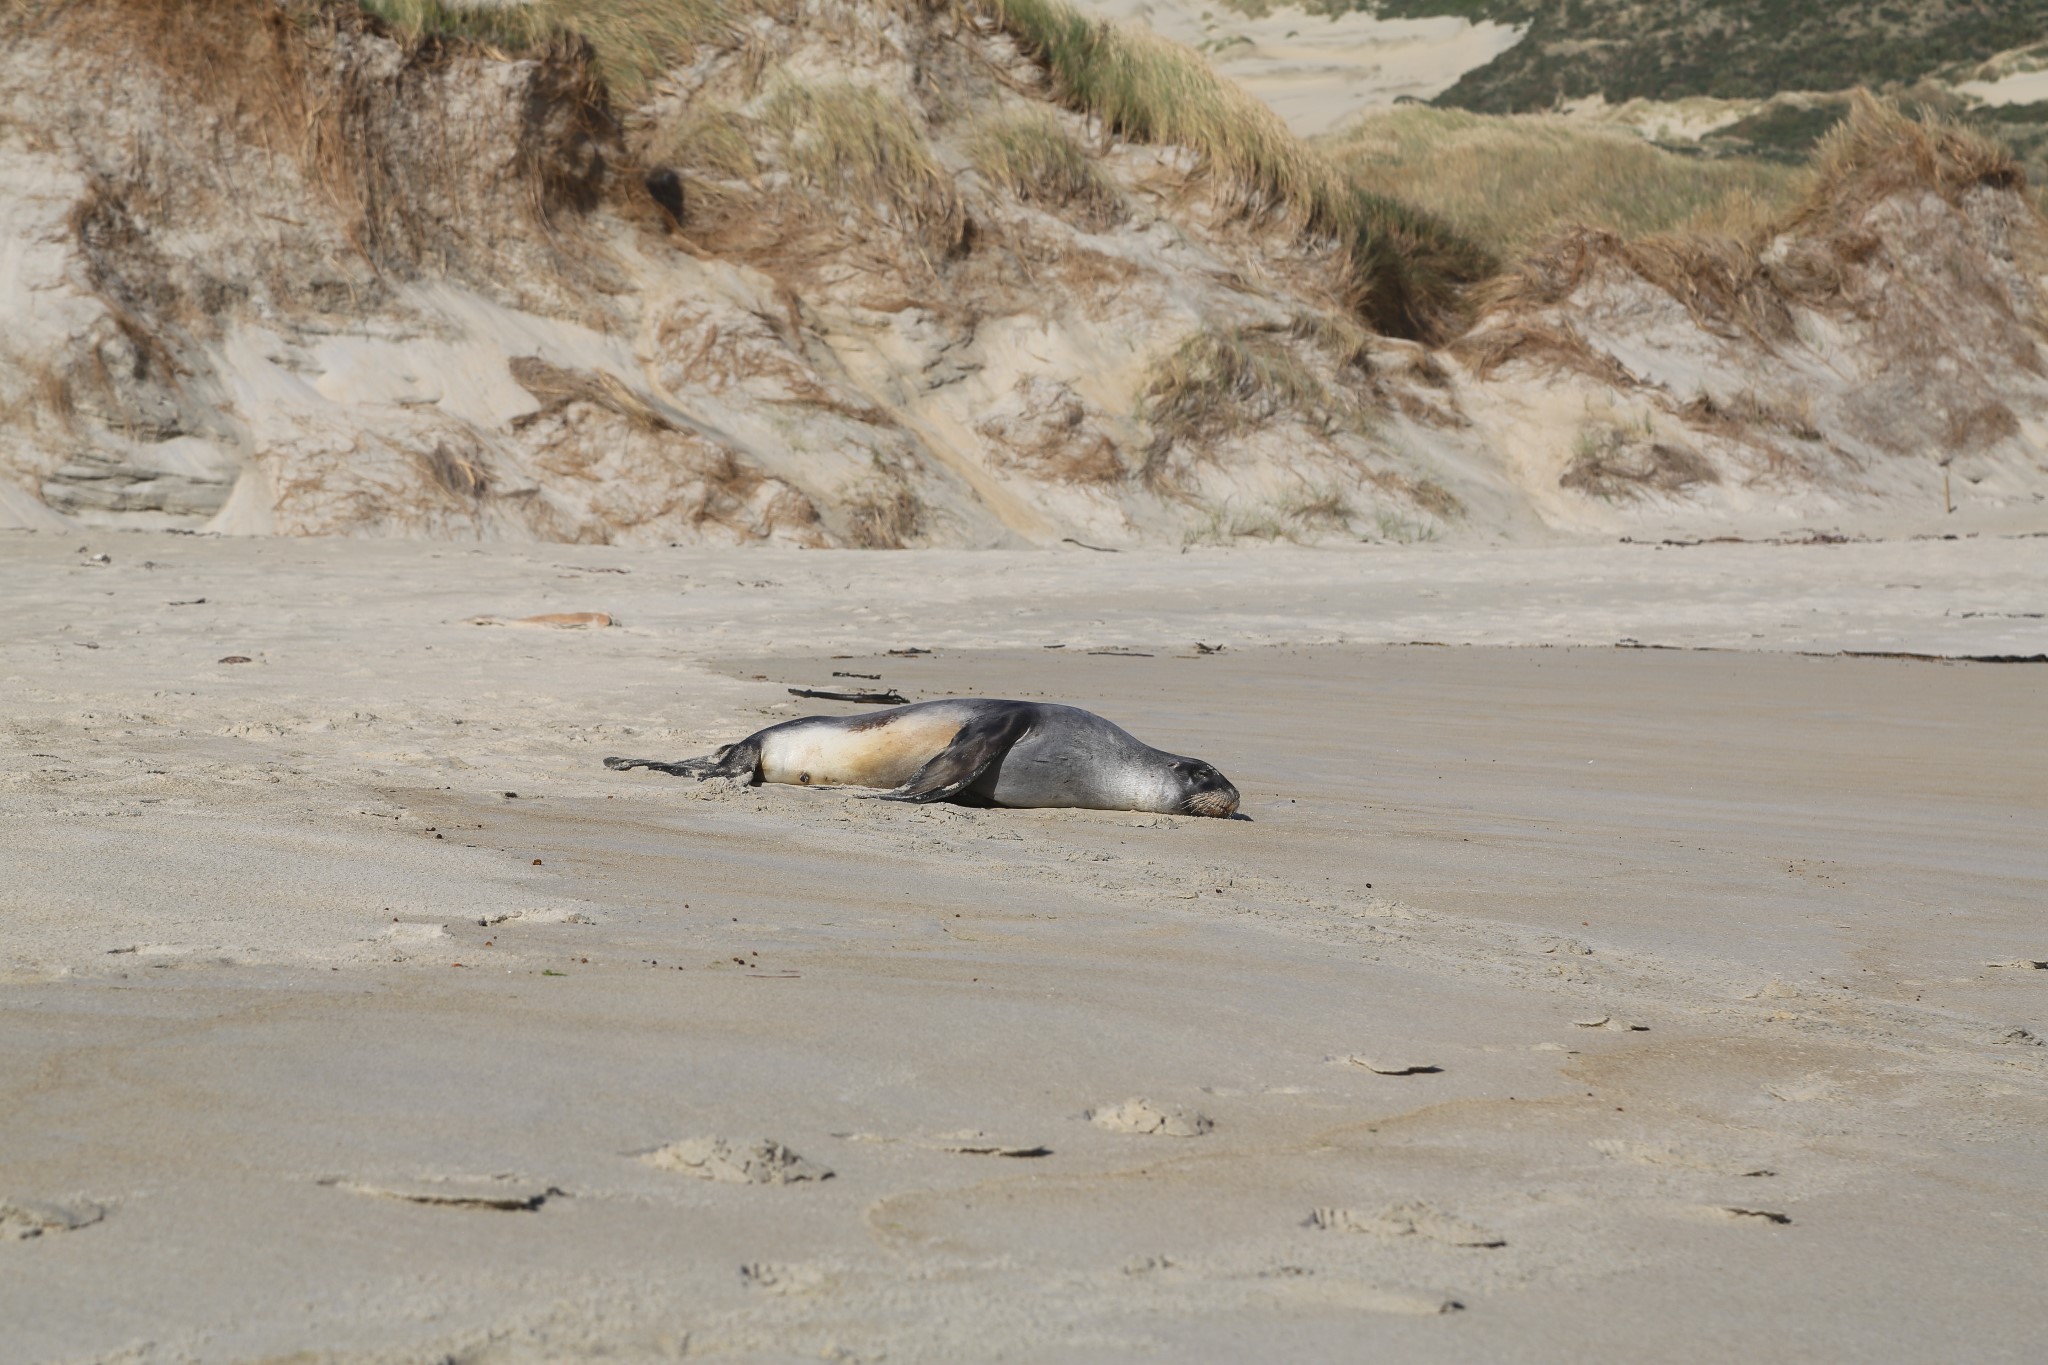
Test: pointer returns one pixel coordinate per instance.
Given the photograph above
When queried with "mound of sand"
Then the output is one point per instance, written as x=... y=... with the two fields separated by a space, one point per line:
x=880 y=278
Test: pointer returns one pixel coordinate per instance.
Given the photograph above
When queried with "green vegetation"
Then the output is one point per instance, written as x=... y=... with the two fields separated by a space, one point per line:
x=1147 y=89
x=1511 y=183
x=2023 y=128
x=1734 y=49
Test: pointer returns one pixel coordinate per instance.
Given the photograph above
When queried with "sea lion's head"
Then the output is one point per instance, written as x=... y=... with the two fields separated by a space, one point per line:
x=1201 y=790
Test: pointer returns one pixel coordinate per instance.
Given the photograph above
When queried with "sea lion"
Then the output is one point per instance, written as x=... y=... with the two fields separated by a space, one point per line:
x=974 y=751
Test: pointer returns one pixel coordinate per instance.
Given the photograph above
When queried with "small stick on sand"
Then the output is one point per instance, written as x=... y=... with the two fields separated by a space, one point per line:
x=889 y=698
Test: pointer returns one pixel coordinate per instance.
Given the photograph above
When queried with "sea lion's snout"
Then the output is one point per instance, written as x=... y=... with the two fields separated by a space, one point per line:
x=1211 y=794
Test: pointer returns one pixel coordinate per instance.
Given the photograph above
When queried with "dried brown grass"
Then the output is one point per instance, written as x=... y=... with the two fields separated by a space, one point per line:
x=1880 y=150
x=1221 y=382
x=884 y=518
x=712 y=145
x=277 y=73
x=1504 y=335
x=1621 y=463
x=1729 y=284
x=459 y=474
x=1029 y=153
x=556 y=387
x=632 y=40
x=855 y=147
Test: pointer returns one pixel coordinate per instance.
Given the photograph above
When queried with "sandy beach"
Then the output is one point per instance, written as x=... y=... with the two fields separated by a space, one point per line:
x=1559 y=1001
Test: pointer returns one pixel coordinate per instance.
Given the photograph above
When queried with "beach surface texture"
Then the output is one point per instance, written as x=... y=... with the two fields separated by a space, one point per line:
x=1634 y=952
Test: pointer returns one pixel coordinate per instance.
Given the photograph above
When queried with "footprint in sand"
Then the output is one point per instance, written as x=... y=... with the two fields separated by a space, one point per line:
x=23 y=1219
x=1152 y=1120
x=762 y=1161
x=780 y=1277
x=505 y=1193
x=1408 y=1220
x=1652 y=1154
x=547 y=916
x=1369 y=1298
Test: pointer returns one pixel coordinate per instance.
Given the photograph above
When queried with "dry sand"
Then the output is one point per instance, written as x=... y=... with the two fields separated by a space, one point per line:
x=1681 y=955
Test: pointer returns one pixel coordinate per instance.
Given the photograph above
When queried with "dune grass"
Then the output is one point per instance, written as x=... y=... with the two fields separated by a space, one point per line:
x=633 y=40
x=710 y=139
x=1148 y=89
x=1511 y=183
x=1880 y=149
x=1029 y=153
x=1405 y=268
x=1223 y=381
x=858 y=143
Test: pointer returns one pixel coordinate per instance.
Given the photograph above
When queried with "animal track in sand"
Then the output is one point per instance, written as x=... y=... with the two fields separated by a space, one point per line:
x=780 y=1277
x=763 y=1161
x=1801 y=1091
x=1651 y=1154
x=1148 y=1119
x=23 y=1219
x=506 y=1193
x=1408 y=1220
x=551 y=916
x=554 y=620
x=967 y=1142
x=1369 y=1298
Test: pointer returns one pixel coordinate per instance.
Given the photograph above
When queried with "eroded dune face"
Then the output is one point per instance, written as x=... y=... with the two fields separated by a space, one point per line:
x=876 y=278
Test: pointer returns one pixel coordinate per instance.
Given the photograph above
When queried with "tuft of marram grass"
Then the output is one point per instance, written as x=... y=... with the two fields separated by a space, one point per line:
x=1149 y=89
x=855 y=143
x=710 y=140
x=1513 y=182
x=1030 y=154
x=1219 y=382
x=1880 y=149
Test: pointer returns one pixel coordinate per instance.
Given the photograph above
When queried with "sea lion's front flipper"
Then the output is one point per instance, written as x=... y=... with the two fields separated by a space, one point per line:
x=980 y=743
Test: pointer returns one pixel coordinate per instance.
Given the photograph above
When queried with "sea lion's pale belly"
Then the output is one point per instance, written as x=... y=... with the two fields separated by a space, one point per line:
x=835 y=754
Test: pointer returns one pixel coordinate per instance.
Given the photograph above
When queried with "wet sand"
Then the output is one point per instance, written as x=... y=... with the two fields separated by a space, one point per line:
x=250 y=1105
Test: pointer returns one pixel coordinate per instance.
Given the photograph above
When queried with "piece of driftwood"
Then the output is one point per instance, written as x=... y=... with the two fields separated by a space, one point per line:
x=889 y=698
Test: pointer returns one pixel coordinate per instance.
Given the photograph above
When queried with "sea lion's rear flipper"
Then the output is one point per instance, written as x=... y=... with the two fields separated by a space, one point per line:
x=980 y=744
x=734 y=760
x=689 y=767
